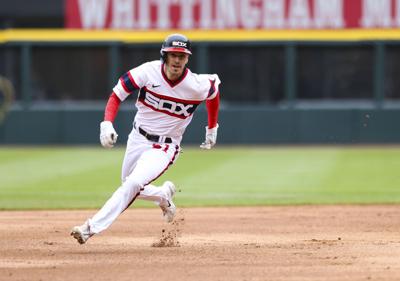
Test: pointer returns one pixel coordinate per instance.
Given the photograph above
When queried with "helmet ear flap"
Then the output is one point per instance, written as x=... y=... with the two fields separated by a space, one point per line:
x=163 y=56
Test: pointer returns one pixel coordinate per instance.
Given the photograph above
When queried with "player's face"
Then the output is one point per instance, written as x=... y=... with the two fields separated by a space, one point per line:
x=176 y=63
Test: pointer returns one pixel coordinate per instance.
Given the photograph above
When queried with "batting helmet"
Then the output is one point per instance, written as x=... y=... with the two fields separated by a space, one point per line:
x=175 y=43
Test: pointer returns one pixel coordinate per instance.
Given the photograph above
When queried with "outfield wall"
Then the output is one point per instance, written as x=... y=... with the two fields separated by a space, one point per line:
x=252 y=125
x=311 y=86
x=257 y=66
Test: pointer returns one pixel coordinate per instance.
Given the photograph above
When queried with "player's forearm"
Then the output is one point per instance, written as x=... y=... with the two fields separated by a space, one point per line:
x=212 y=110
x=112 y=108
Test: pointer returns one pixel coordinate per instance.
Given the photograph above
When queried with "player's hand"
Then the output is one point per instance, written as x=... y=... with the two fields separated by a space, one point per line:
x=211 y=138
x=108 y=136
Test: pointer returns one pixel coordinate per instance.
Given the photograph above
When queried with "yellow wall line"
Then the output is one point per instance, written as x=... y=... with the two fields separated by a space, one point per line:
x=68 y=35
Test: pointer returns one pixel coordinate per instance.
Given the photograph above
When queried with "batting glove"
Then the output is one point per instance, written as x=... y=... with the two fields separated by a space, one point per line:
x=211 y=138
x=108 y=136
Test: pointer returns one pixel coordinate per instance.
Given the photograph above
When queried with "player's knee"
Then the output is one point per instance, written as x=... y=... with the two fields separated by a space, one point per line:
x=132 y=185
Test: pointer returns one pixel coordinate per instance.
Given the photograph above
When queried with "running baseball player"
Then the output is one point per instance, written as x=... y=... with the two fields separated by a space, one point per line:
x=168 y=93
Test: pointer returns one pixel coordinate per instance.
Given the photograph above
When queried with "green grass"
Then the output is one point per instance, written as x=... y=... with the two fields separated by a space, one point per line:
x=85 y=177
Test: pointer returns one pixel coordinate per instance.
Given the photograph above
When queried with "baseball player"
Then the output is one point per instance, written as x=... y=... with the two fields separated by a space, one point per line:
x=168 y=93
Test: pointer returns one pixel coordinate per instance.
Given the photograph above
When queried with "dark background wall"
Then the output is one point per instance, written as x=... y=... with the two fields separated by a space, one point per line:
x=31 y=14
x=256 y=72
x=281 y=92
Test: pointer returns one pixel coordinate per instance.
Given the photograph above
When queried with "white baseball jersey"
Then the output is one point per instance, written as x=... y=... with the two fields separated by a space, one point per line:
x=165 y=107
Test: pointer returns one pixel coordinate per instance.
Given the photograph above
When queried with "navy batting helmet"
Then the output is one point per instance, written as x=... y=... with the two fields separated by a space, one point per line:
x=175 y=43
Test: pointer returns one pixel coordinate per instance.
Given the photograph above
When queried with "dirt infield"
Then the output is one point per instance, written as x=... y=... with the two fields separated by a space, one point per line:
x=266 y=243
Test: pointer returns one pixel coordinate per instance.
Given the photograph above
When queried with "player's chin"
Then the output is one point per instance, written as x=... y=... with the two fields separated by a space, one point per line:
x=177 y=70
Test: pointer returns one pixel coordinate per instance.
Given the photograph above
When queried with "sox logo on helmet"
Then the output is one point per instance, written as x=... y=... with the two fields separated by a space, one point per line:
x=175 y=43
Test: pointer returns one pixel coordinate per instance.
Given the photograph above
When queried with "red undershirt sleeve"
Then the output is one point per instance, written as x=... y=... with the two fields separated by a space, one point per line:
x=212 y=111
x=112 y=107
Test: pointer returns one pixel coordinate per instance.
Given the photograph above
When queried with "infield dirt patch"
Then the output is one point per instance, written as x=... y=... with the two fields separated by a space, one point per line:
x=255 y=243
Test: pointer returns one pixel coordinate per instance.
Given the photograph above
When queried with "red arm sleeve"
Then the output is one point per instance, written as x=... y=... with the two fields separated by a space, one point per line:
x=212 y=110
x=112 y=107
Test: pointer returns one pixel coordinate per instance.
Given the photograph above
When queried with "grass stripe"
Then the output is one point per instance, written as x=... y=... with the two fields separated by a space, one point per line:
x=84 y=177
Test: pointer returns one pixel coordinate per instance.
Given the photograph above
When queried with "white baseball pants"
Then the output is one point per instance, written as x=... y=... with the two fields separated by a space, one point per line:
x=144 y=162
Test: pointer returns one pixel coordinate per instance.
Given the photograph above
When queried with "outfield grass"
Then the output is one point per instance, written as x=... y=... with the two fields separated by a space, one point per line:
x=84 y=177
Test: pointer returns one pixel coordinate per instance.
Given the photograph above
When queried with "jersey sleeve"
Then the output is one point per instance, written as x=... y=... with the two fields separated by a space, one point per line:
x=112 y=107
x=213 y=89
x=131 y=81
x=212 y=111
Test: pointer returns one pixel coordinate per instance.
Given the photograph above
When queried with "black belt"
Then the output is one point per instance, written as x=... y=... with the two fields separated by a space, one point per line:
x=153 y=138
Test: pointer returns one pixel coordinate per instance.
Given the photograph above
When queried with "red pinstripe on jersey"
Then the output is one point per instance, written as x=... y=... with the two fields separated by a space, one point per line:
x=172 y=98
